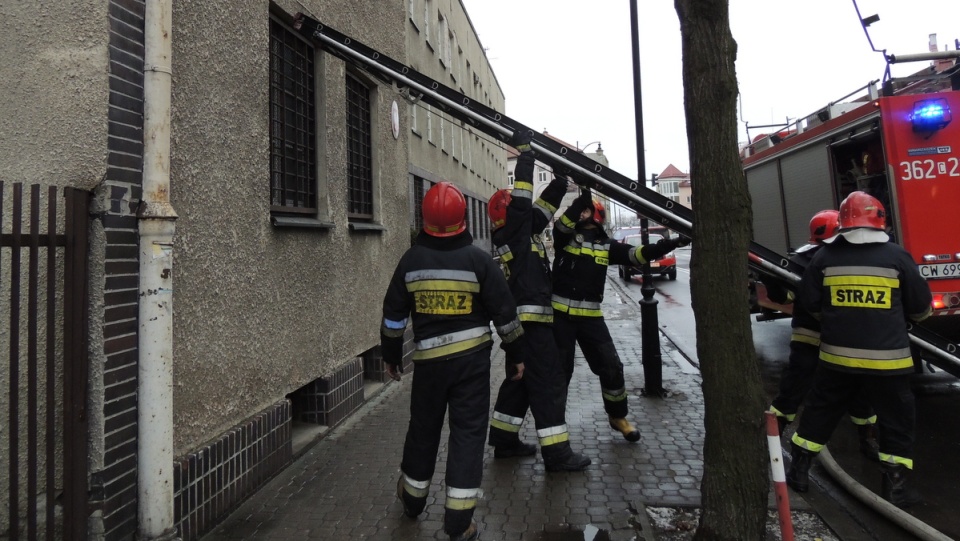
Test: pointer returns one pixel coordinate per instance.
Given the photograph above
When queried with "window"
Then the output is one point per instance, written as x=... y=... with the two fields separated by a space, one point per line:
x=670 y=188
x=510 y=179
x=413 y=119
x=443 y=136
x=411 y=14
x=427 y=12
x=429 y=123
x=359 y=151
x=293 y=153
x=542 y=175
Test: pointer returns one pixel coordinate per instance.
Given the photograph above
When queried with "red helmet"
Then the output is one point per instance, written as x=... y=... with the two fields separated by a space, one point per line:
x=824 y=225
x=599 y=213
x=444 y=210
x=497 y=207
x=861 y=209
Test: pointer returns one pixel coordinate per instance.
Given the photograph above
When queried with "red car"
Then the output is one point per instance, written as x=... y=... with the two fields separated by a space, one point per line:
x=664 y=266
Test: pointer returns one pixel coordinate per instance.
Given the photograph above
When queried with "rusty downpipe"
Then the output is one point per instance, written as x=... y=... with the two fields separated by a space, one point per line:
x=156 y=221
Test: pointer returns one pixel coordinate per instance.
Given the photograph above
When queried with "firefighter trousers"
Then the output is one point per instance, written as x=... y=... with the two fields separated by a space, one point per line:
x=593 y=337
x=461 y=384
x=889 y=395
x=540 y=390
x=797 y=378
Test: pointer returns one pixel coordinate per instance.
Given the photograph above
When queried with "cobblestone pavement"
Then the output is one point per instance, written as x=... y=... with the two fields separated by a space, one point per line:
x=344 y=486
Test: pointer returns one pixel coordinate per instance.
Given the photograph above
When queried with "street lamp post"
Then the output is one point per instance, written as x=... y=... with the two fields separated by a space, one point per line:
x=649 y=324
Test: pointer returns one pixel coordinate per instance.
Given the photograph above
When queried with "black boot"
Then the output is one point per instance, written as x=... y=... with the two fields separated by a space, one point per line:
x=868 y=442
x=799 y=475
x=893 y=486
x=560 y=457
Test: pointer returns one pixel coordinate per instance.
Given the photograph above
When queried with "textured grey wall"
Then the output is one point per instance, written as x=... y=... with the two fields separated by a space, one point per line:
x=261 y=311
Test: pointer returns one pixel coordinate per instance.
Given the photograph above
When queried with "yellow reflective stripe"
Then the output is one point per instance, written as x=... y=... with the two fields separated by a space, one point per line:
x=417 y=489
x=847 y=280
x=460 y=499
x=805 y=338
x=506 y=422
x=860 y=421
x=871 y=364
x=617 y=395
x=788 y=416
x=506 y=427
x=537 y=318
x=448 y=344
x=522 y=188
x=392 y=333
x=893 y=459
x=636 y=256
x=553 y=435
x=566 y=224
x=858 y=270
x=442 y=285
x=807 y=444
x=586 y=312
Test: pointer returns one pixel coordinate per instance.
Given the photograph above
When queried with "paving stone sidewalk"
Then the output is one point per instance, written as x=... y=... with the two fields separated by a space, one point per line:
x=344 y=486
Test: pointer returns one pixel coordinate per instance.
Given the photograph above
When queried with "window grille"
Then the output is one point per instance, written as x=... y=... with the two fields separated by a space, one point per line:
x=359 y=151
x=293 y=154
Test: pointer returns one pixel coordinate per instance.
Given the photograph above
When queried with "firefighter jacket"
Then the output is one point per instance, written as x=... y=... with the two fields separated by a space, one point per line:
x=583 y=254
x=806 y=328
x=519 y=242
x=864 y=295
x=450 y=290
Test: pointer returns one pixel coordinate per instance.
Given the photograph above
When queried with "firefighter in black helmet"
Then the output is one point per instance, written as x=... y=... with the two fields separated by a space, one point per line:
x=865 y=290
x=584 y=251
x=518 y=224
x=450 y=290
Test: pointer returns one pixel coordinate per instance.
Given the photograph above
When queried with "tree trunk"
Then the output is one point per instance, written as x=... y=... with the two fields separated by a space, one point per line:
x=735 y=478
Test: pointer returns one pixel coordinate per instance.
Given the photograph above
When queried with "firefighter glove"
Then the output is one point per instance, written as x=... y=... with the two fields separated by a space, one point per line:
x=515 y=371
x=521 y=140
x=683 y=240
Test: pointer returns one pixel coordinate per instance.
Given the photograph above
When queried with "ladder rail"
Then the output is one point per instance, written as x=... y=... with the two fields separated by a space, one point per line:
x=584 y=170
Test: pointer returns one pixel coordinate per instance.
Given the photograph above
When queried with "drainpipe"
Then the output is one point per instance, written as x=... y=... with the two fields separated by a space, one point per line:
x=156 y=220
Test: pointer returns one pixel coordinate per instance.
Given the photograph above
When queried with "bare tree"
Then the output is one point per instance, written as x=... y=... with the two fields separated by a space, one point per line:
x=735 y=478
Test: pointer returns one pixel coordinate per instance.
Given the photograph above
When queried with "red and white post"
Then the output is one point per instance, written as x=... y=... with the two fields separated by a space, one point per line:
x=779 y=477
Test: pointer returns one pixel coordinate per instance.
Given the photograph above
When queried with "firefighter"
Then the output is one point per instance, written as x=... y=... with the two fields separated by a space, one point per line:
x=518 y=226
x=805 y=346
x=450 y=290
x=865 y=290
x=579 y=273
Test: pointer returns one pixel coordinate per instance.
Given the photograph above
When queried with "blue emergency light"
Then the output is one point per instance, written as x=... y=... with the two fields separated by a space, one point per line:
x=930 y=115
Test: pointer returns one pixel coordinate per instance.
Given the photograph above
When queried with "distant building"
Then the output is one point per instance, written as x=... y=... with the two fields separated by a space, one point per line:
x=676 y=185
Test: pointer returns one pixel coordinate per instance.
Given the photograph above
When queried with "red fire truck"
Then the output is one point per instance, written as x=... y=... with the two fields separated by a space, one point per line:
x=900 y=144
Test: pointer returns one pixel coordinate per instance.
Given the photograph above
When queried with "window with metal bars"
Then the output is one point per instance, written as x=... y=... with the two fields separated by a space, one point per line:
x=359 y=151
x=293 y=153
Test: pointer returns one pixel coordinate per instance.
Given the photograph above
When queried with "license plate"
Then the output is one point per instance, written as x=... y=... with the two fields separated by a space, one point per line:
x=940 y=270
x=654 y=265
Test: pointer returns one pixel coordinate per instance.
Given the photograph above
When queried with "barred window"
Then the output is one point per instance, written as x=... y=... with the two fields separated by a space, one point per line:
x=293 y=153
x=359 y=151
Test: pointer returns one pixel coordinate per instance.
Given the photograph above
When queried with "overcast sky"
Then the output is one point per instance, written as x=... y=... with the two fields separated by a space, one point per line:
x=565 y=66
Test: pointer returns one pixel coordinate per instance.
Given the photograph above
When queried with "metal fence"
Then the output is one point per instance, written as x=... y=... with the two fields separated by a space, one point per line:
x=43 y=307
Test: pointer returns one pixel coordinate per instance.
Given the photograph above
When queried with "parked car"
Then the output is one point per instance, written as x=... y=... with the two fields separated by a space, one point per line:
x=665 y=266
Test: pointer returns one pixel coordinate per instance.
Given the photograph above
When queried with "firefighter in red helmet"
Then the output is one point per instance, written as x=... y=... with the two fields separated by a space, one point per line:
x=805 y=345
x=518 y=223
x=450 y=291
x=864 y=290
x=579 y=273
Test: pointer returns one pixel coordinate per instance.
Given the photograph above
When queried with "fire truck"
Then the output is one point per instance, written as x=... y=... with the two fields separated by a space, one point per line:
x=896 y=141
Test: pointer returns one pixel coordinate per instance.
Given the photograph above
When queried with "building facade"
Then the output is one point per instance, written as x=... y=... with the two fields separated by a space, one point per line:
x=291 y=193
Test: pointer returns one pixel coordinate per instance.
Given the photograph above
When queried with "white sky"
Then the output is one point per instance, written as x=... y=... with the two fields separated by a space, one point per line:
x=566 y=65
